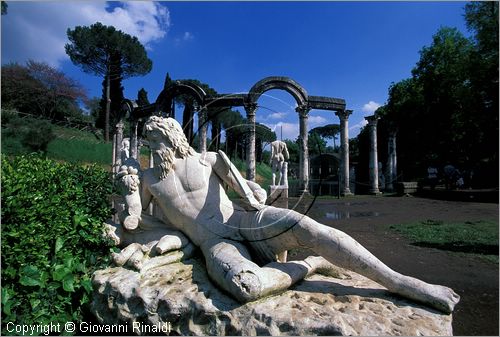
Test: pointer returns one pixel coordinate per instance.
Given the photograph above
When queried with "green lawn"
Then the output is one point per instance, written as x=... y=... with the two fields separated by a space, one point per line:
x=470 y=237
x=80 y=150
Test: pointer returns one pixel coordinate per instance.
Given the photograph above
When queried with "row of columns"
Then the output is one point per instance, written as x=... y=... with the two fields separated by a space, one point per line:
x=303 y=111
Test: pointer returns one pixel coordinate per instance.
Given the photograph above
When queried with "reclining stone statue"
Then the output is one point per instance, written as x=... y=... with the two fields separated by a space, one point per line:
x=189 y=188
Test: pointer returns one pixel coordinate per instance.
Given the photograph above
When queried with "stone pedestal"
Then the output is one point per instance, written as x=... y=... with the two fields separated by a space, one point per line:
x=278 y=196
x=180 y=298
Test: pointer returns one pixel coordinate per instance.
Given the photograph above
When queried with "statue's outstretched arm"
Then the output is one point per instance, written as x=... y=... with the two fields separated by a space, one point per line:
x=250 y=191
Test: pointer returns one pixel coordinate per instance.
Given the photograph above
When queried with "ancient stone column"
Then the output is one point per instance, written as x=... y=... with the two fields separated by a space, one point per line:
x=391 y=161
x=303 y=110
x=202 y=125
x=250 y=110
x=133 y=138
x=373 y=164
x=113 y=163
x=344 y=148
x=119 y=139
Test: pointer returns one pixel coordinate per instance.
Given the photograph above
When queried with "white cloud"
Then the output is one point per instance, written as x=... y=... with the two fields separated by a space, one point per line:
x=356 y=128
x=370 y=107
x=187 y=36
x=314 y=121
x=37 y=30
x=277 y=115
x=290 y=130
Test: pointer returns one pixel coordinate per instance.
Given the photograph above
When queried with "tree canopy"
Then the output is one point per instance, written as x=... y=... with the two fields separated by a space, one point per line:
x=329 y=131
x=447 y=111
x=40 y=89
x=142 y=97
x=99 y=48
x=104 y=51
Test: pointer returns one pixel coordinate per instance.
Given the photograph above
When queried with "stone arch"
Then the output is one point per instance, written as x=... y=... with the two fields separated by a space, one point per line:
x=278 y=82
x=165 y=98
x=127 y=109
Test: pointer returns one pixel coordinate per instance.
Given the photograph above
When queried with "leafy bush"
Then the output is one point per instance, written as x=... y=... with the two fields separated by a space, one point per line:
x=52 y=216
x=23 y=135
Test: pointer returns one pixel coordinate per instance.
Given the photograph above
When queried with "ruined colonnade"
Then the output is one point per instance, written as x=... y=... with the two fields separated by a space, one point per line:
x=305 y=103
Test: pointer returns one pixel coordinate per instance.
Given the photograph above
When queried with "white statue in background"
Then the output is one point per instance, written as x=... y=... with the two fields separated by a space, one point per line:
x=189 y=189
x=125 y=149
x=279 y=153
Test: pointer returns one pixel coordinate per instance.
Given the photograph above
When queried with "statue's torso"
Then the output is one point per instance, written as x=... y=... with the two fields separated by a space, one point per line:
x=192 y=198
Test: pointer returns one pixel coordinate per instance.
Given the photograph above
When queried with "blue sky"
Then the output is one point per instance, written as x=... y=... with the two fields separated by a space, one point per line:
x=349 y=50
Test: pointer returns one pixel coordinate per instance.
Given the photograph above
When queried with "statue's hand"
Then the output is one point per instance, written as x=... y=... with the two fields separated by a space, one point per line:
x=132 y=255
x=128 y=179
x=171 y=242
x=260 y=195
x=137 y=255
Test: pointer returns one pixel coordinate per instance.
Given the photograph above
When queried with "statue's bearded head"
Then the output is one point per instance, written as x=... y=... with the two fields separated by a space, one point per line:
x=168 y=141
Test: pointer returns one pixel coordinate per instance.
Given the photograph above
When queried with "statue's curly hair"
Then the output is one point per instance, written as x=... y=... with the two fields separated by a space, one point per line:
x=172 y=130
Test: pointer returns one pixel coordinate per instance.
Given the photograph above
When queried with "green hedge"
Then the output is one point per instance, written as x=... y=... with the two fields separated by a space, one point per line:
x=52 y=216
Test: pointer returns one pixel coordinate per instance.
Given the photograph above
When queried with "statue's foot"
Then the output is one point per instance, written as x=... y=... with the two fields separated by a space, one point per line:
x=131 y=222
x=437 y=296
x=445 y=298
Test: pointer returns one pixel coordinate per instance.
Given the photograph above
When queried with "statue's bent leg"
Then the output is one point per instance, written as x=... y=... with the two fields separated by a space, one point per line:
x=230 y=266
x=342 y=250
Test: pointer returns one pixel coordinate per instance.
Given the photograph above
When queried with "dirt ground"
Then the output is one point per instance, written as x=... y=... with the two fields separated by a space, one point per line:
x=476 y=281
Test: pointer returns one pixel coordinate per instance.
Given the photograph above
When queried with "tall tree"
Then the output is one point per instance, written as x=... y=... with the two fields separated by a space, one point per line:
x=57 y=89
x=142 y=97
x=443 y=73
x=4 y=7
x=168 y=81
x=447 y=112
x=263 y=136
x=39 y=89
x=20 y=89
x=234 y=126
x=315 y=143
x=482 y=19
x=329 y=131
x=293 y=151
x=116 y=94
x=102 y=50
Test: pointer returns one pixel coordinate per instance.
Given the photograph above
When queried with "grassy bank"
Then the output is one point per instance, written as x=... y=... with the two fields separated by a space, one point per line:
x=470 y=237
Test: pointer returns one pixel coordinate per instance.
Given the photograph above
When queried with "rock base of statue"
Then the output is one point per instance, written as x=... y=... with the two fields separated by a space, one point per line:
x=278 y=196
x=179 y=299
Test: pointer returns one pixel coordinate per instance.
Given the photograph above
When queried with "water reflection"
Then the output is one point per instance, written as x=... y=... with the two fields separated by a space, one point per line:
x=338 y=215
